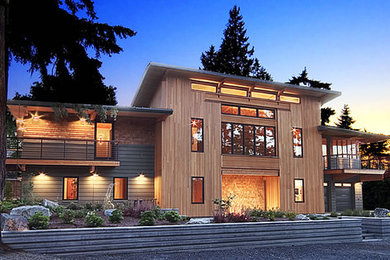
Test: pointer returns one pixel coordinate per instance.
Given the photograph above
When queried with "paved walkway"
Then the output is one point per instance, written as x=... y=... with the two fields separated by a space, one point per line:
x=365 y=250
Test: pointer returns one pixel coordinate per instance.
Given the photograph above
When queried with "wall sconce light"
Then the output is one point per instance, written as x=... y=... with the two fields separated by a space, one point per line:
x=19 y=121
x=42 y=174
x=35 y=117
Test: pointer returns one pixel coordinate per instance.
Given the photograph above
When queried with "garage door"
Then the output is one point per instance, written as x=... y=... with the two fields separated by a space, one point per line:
x=343 y=196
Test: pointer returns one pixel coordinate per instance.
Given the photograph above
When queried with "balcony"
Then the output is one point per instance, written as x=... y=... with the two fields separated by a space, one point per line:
x=51 y=151
x=346 y=162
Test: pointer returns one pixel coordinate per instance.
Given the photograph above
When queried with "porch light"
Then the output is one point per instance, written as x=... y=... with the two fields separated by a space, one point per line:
x=19 y=121
x=83 y=120
x=42 y=174
x=35 y=116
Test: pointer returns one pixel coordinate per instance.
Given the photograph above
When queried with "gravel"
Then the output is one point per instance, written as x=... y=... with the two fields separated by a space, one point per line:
x=364 y=250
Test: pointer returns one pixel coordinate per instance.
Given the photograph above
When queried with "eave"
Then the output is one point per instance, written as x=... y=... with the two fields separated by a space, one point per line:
x=363 y=137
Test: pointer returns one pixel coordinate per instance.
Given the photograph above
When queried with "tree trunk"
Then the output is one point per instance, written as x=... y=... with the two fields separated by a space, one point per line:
x=3 y=100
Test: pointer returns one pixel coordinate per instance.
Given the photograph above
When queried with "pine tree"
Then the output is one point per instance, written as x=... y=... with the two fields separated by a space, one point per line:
x=303 y=78
x=326 y=113
x=345 y=120
x=235 y=54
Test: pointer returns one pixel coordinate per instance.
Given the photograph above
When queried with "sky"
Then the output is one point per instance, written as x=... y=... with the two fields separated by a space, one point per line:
x=346 y=43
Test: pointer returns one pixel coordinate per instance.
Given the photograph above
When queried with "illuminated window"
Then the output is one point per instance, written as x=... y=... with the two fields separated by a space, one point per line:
x=103 y=140
x=196 y=135
x=325 y=184
x=263 y=95
x=233 y=91
x=290 y=99
x=226 y=135
x=204 y=87
x=230 y=110
x=248 y=139
x=120 y=188
x=299 y=190
x=266 y=113
x=197 y=190
x=71 y=186
x=246 y=111
x=297 y=142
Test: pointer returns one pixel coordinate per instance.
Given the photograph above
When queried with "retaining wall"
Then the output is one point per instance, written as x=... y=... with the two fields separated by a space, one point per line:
x=380 y=227
x=183 y=237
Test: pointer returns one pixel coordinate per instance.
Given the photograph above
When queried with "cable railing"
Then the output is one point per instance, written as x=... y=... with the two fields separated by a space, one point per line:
x=354 y=162
x=61 y=149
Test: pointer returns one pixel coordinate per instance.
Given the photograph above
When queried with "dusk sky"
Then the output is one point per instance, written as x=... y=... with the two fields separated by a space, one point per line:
x=346 y=43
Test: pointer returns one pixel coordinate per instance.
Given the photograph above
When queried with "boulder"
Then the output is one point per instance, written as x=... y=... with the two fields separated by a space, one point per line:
x=381 y=212
x=13 y=223
x=49 y=203
x=199 y=221
x=108 y=212
x=302 y=217
x=28 y=211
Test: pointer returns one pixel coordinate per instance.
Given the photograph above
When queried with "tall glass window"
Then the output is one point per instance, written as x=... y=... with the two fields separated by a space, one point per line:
x=238 y=139
x=297 y=142
x=270 y=141
x=299 y=190
x=196 y=135
x=71 y=188
x=197 y=190
x=226 y=129
x=120 y=188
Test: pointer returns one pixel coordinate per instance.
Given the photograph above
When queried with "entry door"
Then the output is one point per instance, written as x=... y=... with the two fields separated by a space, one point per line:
x=343 y=198
x=326 y=198
x=103 y=140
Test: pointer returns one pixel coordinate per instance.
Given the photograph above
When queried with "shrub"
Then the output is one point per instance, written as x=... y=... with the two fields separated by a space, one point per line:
x=184 y=218
x=220 y=218
x=116 y=217
x=325 y=218
x=89 y=206
x=279 y=214
x=313 y=217
x=38 y=221
x=8 y=190
x=172 y=216
x=256 y=213
x=93 y=220
x=68 y=216
x=136 y=211
x=99 y=206
x=7 y=205
x=224 y=204
x=334 y=214
x=158 y=213
x=270 y=215
x=366 y=213
x=80 y=213
x=234 y=217
x=74 y=206
x=291 y=215
x=347 y=212
x=57 y=210
x=147 y=218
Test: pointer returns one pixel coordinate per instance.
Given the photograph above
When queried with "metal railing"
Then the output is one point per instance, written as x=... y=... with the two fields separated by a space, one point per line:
x=61 y=149
x=335 y=162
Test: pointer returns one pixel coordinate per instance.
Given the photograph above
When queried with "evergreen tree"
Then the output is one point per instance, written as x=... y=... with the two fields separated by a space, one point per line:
x=345 y=120
x=326 y=113
x=303 y=78
x=55 y=35
x=235 y=54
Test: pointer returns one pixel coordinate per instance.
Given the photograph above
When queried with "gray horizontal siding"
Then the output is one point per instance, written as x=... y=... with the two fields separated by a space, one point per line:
x=134 y=160
x=184 y=237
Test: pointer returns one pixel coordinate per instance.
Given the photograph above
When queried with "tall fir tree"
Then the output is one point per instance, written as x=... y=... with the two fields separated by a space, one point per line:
x=235 y=54
x=345 y=120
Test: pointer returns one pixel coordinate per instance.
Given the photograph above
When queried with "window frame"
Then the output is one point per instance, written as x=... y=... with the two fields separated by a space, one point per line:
x=127 y=186
x=299 y=128
x=192 y=189
x=303 y=190
x=254 y=140
x=257 y=111
x=112 y=138
x=202 y=151
x=63 y=187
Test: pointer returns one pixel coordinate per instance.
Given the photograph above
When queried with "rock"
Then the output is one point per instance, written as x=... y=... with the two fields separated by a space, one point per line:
x=108 y=212
x=28 y=211
x=381 y=212
x=49 y=203
x=199 y=221
x=302 y=217
x=13 y=223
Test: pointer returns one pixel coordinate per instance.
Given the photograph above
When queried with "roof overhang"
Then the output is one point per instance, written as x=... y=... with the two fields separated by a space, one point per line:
x=363 y=137
x=22 y=108
x=362 y=174
x=155 y=72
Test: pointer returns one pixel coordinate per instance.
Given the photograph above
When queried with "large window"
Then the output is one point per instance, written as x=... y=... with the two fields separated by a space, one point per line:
x=299 y=190
x=71 y=188
x=196 y=135
x=297 y=142
x=248 y=111
x=120 y=188
x=197 y=190
x=248 y=139
x=345 y=148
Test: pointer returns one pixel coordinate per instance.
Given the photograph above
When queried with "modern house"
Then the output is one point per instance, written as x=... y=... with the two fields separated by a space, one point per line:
x=189 y=137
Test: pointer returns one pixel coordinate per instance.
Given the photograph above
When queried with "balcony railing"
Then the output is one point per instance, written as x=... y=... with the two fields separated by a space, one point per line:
x=347 y=162
x=61 y=149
